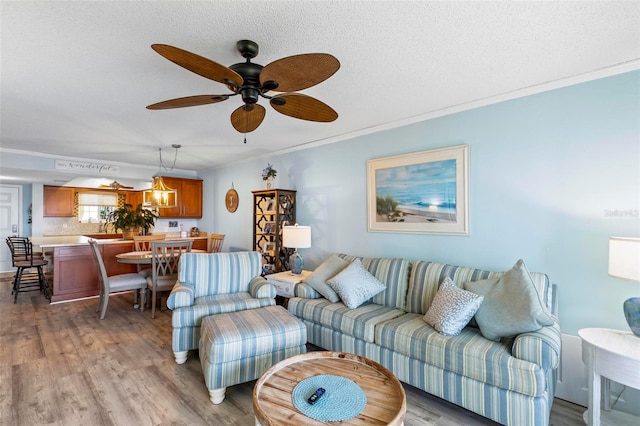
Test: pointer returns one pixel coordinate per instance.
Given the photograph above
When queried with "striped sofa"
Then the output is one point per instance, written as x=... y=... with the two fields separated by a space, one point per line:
x=214 y=283
x=511 y=382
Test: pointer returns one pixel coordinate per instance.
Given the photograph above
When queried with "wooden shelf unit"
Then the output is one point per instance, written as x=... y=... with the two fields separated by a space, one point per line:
x=273 y=209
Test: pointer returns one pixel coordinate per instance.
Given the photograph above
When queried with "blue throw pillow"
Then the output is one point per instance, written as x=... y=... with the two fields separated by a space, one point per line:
x=329 y=268
x=511 y=304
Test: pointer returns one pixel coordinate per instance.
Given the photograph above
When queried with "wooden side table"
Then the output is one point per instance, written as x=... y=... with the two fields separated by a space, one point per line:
x=609 y=355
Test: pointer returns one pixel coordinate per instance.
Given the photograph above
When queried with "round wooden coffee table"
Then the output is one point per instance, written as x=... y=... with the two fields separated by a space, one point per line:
x=272 y=405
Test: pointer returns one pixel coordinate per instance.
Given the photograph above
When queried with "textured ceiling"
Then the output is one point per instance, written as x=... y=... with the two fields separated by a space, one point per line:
x=76 y=75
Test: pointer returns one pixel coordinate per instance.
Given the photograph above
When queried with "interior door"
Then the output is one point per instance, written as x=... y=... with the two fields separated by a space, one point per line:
x=9 y=221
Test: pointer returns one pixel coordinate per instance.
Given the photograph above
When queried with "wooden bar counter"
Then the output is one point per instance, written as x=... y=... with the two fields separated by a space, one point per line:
x=75 y=274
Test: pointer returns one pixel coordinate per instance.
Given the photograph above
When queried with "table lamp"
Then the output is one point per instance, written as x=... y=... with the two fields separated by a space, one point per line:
x=624 y=262
x=296 y=237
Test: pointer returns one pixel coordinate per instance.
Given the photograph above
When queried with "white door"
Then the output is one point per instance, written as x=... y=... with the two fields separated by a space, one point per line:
x=9 y=222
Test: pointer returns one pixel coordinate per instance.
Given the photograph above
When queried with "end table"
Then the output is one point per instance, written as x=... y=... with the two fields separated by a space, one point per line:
x=609 y=354
x=285 y=282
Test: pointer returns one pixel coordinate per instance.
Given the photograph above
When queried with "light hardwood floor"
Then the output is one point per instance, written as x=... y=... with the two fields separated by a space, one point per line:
x=61 y=365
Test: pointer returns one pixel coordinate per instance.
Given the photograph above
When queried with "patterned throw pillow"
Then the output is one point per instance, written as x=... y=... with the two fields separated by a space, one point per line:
x=452 y=308
x=355 y=285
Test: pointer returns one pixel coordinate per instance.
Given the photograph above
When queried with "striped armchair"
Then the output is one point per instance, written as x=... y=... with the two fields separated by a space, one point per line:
x=214 y=283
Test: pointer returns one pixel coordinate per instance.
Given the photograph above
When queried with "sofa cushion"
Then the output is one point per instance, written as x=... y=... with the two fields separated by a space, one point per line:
x=468 y=354
x=427 y=276
x=511 y=304
x=355 y=285
x=359 y=323
x=216 y=304
x=317 y=280
x=393 y=273
x=452 y=308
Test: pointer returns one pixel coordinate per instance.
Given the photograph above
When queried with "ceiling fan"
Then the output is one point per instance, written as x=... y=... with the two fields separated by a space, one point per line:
x=251 y=81
x=115 y=185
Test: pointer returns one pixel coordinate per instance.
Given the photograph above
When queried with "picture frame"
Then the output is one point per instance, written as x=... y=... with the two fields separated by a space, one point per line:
x=421 y=192
x=270 y=227
x=270 y=206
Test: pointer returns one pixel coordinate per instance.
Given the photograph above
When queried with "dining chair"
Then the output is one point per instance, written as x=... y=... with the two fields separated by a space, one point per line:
x=143 y=243
x=25 y=259
x=165 y=256
x=114 y=283
x=215 y=243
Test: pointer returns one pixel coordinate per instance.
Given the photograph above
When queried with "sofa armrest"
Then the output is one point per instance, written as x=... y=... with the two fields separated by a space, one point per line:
x=541 y=347
x=305 y=291
x=180 y=297
x=261 y=288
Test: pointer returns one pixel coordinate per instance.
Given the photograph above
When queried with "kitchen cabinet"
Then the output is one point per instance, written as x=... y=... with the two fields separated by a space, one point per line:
x=133 y=197
x=58 y=201
x=273 y=209
x=189 y=203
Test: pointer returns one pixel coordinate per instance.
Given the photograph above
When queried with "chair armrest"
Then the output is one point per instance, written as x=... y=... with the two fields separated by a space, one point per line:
x=541 y=347
x=261 y=288
x=180 y=297
x=305 y=291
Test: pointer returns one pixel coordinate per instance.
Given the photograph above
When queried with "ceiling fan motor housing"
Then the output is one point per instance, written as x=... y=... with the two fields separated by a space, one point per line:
x=250 y=72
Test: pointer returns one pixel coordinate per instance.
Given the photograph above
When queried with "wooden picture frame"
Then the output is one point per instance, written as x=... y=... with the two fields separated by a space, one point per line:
x=423 y=192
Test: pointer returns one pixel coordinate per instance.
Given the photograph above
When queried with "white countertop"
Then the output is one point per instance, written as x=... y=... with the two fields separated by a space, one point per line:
x=78 y=240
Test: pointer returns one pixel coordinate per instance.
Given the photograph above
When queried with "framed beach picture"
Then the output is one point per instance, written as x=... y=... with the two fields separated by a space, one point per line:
x=424 y=192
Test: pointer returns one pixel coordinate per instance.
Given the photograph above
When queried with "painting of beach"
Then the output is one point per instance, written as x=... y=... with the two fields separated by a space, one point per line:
x=418 y=192
x=421 y=192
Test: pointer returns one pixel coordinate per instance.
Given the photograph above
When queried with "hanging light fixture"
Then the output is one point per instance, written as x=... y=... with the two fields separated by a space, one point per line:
x=160 y=195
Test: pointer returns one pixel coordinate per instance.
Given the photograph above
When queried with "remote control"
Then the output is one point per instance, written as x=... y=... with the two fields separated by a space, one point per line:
x=316 y=396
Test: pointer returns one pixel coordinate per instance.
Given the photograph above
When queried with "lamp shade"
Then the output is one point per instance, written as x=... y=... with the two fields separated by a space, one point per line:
x=624 y=258
x=296 y=236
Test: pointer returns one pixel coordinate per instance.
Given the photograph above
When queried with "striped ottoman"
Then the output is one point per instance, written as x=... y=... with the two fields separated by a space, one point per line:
x=238 y=347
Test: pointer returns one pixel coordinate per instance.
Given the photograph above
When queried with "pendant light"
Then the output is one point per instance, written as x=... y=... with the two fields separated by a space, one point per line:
x=160 y=195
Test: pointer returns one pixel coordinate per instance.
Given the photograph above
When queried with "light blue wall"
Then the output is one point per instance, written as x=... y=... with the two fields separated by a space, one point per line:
x=547 y=174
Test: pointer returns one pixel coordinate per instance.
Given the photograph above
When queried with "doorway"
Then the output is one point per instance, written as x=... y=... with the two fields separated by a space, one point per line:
x=9 y=221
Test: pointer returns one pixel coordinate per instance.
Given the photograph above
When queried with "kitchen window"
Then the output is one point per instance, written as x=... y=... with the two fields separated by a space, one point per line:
x=94 y=207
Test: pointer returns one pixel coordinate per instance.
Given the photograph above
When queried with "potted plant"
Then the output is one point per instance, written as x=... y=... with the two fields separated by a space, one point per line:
x=269 y=174
x=131 y=221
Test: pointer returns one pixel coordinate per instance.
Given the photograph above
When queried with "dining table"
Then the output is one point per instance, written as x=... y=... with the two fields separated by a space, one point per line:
x=141 y=258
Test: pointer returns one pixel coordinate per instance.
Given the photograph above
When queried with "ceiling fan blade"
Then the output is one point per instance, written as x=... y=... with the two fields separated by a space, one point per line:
x=199 y=65
x=189 y=101
x=300 y=72
x=303 y=107
x=247 y=118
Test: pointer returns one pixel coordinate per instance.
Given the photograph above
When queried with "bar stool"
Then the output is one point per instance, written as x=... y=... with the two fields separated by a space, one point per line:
x=24 y=259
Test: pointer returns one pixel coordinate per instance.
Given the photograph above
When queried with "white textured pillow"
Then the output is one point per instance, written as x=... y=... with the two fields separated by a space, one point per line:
x=452 y=308
x=355 y=285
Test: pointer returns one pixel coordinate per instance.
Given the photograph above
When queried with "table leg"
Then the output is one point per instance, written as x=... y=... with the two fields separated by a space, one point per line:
x=594 y=398
x=606 y=394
